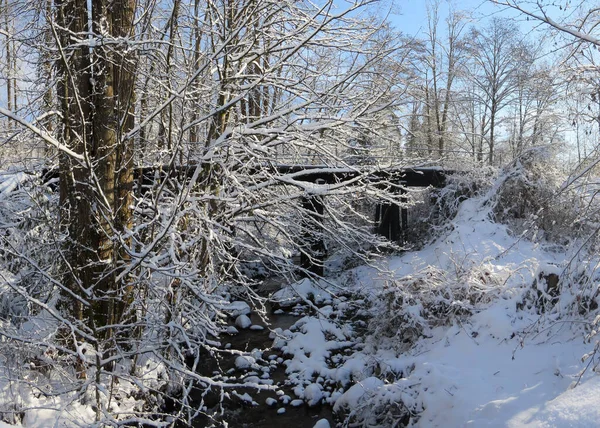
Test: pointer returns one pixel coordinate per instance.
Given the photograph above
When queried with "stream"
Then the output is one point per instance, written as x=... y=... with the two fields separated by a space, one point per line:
x=247 y=406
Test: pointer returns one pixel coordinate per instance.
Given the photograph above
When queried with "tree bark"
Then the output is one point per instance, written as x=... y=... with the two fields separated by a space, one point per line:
x=96 y=94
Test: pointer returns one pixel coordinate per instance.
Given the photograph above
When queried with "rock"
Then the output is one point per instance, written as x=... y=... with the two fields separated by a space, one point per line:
x=296 y=403
x=313 y=394
x=256 y=327
x=235 y=309
x=244 y=362
x=281 y=410
x=270 y=402
x=232 y=330
x=322 y=423
x=552 y=280
x=252 y=379
x=243 y=322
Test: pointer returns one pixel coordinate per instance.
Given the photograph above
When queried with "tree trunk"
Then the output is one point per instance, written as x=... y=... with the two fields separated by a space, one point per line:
x=97 y=98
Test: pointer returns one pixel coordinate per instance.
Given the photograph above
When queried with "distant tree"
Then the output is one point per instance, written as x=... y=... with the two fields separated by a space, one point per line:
x=442 y=58
x=496 y=56
x=537 y=93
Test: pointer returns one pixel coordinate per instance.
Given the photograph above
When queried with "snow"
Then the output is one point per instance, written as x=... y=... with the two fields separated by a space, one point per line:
x=231 y=330
x=353 y=397
x=313 y=394
x=574 y=408
x=322 y=423
x=443 y=331
x=244 y=362
x=303 y=290
x=497 y=365
x=10 y=181
x=236 y=308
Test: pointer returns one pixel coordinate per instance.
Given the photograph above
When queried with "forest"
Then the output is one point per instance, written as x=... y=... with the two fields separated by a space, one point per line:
x=194 y=196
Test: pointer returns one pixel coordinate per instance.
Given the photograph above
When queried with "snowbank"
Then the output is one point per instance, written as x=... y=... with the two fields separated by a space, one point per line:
x=480 y=357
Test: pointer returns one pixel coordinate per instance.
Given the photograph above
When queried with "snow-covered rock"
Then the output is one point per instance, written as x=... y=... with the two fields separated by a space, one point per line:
x=322 y=423
x=300 y=291
x=237 y=308
x=232 y=330
x=313 y=394
x=356 y=394
x=243 y=322
x=244 y=362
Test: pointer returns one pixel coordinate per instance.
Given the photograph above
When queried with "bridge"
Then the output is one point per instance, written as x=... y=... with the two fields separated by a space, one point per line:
x=391 y=219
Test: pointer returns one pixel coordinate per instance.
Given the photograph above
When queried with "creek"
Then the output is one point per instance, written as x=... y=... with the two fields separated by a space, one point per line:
x=248 y=407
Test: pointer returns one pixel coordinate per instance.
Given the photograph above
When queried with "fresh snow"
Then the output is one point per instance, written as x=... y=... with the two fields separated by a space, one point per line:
x=501 y=366
x=322 y=423
x=243 y=321
x=485 y=359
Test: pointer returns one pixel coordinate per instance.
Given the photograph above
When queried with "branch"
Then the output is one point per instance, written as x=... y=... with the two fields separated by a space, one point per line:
x=40 y=133
x=545 y=18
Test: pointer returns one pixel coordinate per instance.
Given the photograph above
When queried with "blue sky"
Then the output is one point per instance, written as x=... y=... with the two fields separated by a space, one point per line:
x=410 y=16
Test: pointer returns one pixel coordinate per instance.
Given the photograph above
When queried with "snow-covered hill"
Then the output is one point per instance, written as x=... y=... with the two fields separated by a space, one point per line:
x=467 y=331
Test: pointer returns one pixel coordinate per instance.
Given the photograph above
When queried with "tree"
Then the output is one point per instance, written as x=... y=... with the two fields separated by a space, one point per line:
x=439 y=83
x=495 y=54
x=97 y=100
x=576 y=27
x=536 y=97
x=207 y=97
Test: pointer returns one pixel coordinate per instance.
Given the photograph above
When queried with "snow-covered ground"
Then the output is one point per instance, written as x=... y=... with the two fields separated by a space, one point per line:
x=464 y=332
x=493 y=360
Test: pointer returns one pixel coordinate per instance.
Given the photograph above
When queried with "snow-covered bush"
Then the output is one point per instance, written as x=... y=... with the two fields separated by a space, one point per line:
x=460 y=186
x=432 y=297
x=26 y=234
x=530 y=200
x=372 y=402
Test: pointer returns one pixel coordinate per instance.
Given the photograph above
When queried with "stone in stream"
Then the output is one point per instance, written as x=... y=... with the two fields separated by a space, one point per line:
x=243 y=322
x=232 y=330
x=237 y=308
x=244 y=362
x=322 y=423
x=313 y=394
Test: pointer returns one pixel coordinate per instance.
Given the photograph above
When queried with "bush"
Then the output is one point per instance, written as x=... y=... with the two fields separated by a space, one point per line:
x=460 y=186
x=529 y=199
x=432 y=297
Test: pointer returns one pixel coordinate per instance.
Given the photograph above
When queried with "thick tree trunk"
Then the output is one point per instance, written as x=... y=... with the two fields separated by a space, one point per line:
x=97 y=97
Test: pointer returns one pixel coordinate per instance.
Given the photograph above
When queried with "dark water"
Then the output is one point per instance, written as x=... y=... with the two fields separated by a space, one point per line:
x=238 y=413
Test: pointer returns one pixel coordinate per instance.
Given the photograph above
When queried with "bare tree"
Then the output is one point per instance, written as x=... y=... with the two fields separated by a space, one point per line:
x=494 y=51
x=442 y=62
x=207 y=97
